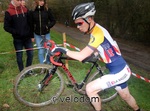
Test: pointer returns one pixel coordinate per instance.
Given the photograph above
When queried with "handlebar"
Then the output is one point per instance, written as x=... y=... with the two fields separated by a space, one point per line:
x=50 y=45
x=53 y=61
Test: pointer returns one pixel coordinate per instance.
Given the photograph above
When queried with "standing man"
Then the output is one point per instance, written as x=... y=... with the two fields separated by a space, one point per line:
x=101 y=43
x=16 y=23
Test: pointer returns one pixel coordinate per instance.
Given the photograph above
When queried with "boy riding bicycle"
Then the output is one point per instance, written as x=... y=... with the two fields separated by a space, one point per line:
x=101 y=43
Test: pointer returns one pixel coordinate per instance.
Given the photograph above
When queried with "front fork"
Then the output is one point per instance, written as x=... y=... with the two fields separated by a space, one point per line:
x=46 y=79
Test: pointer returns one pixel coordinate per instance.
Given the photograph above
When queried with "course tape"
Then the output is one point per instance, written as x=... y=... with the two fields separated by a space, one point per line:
x=71 y=46
x=1 y=53
x=140 y=77
x=136 y=75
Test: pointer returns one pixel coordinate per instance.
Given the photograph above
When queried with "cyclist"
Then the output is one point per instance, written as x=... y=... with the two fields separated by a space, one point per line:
x=101 y=43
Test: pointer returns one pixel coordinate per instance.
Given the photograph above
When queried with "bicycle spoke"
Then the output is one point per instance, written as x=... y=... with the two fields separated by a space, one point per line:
x=27 y=86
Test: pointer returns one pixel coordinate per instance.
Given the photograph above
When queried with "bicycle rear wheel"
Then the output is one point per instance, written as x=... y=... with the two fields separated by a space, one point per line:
x=27 y=87
x=107 y=94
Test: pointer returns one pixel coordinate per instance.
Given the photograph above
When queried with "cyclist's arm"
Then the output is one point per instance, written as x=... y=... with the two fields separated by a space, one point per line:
x=87 y=51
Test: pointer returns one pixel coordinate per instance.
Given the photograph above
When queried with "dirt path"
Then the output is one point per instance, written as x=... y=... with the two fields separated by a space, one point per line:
x=134 y=53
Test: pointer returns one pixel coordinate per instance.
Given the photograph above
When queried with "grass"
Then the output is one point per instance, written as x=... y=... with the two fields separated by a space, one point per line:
x=9 y=70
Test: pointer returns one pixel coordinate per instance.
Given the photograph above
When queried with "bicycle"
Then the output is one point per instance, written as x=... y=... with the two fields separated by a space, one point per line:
x=45 y=83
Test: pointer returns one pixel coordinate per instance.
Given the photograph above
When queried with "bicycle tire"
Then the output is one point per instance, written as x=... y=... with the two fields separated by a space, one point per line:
x=26 y=88
x=107 y=94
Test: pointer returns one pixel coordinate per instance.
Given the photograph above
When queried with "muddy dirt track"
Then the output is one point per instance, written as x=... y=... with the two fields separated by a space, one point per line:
x=134 y=53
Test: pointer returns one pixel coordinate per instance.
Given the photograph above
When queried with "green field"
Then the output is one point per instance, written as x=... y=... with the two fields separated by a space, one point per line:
x=9 y=70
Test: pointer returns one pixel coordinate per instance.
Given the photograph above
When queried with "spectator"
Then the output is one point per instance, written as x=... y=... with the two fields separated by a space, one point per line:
x=42 y=21
x=23 y=3
x=16 y=23
x=66 y=23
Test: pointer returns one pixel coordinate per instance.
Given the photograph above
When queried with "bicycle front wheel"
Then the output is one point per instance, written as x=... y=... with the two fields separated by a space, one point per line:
x=107 y=94
x=29 y=90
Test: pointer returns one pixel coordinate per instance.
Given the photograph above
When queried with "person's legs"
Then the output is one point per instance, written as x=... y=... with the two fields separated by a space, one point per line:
x=28 y=45
x=47 y=36
x=106 y=81
x=18 y=44
x=92 y=90
x=125 y=95
x=38 y=40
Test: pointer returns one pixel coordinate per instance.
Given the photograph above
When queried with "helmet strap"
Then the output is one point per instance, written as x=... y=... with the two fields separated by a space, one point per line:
x=85 y=19
x=89 y=29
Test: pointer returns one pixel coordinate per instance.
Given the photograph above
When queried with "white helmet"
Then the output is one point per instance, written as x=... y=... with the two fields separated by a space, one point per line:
x=83 y=10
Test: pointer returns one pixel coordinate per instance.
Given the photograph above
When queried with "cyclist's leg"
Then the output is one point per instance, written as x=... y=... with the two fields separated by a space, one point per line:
x=125 y=95
x=38 y=40
x=106 y=81
x=92 y=90
x=123 y=91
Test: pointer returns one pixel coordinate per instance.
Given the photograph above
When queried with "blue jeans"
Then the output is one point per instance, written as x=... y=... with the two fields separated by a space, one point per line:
x=27 y=44
x=41 y=52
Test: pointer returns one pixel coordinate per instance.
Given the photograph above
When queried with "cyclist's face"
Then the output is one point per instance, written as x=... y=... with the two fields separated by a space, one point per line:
x=81 y=25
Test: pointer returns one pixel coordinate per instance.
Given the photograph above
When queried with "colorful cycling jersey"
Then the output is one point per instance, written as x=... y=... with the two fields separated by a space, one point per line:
x=107 y=48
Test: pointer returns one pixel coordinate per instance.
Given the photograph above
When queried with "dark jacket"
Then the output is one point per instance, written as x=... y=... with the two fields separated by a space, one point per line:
x=16 y=22
x=42 y=20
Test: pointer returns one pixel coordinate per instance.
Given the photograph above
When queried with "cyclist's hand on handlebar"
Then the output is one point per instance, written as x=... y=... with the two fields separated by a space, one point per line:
x=59 y=49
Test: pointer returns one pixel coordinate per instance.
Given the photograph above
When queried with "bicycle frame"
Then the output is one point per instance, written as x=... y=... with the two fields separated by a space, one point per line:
x=77 y=86
x=49 y=81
